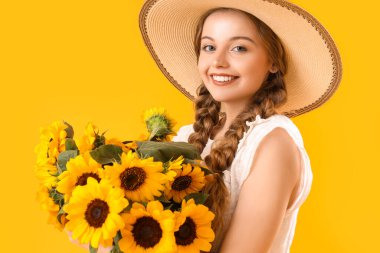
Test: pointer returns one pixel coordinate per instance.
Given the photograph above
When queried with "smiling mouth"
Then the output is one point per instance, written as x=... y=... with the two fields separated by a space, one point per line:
x=223 y=80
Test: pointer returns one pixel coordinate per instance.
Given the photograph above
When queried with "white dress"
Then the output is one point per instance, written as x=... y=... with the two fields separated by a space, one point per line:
x=235 y=175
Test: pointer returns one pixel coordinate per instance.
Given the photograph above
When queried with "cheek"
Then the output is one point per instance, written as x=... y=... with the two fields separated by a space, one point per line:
x=202 y=67
x=254 y=68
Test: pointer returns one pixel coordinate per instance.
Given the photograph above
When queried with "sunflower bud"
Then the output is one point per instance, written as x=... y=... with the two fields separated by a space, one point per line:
x=158 y=124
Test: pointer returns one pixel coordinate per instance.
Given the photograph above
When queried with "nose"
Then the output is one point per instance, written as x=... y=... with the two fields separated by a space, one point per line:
x=219 y=60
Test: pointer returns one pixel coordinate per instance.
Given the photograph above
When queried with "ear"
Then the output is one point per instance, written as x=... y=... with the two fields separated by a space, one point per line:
x=273 y=69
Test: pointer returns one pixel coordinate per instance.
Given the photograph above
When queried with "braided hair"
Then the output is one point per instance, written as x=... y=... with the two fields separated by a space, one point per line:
x=209 y=119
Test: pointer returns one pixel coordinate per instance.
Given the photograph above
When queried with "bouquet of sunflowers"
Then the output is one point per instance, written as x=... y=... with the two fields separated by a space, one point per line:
x=125 y=196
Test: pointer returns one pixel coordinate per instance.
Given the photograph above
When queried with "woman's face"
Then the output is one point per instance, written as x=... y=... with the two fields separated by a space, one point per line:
x=233 y=62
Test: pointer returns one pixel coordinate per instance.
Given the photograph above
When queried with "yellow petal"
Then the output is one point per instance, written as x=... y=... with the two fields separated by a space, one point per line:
x=205 y=233
x=80 y=228
x=202 y=244
x=95 y=238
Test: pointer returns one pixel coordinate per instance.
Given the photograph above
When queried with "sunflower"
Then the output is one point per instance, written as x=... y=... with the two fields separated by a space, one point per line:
x=47 y=174
x=52 y=142
x=159 y=124
x=171 y=170
x=190 y=179
x=42 y=152
x=176 y=164
x=78 y=170
x=52 y=208
x=91 y=139
x=149 y=229
x=141 y=179
x=93 y=212
x=193 y=228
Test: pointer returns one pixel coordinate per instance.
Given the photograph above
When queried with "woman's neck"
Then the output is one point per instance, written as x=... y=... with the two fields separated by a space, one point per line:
x=219 y=135
x=232 y=110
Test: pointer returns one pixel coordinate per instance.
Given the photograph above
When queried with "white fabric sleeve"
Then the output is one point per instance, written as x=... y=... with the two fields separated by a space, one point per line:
x=183 y=133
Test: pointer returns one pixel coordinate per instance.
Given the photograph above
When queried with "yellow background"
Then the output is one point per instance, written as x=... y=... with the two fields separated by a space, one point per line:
x=84 y=61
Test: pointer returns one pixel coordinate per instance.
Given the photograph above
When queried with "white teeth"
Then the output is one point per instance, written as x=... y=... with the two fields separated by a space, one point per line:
x=223 y=78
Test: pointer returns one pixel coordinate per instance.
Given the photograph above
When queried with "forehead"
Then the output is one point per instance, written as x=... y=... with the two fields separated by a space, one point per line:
x=229 y=23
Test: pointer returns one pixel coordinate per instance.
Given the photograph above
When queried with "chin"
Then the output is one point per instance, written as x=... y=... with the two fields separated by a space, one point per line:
x=222 y=99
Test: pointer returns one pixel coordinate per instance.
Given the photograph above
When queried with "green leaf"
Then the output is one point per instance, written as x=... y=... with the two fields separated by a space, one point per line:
x=169 y=207
x=127 y=209
x=163 y=199
x=69 y=130
x=165 y=151
x=70 y=144
x=116 y=239
x=60 y=213
x=206 y=171
x=92 y=250
x=100 y=140
x=64 y=157
x=165 y=167
x=57 y=197
x=107 y=154
x=159 y=133
x=173 y=206
x=199 y=198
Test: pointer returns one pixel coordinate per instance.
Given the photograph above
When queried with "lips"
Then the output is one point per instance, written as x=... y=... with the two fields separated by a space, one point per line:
x=222 y=74
x=222 y=82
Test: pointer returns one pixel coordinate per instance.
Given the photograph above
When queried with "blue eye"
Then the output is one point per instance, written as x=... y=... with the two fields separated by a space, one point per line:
x=242 y=48
x=212 y=48
x=204 y=47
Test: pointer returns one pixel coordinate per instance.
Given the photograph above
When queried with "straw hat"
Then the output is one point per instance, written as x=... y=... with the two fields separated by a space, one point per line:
x=315 y=68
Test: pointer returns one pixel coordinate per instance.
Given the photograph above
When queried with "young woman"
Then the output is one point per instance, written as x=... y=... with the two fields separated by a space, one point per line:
x=254 y=64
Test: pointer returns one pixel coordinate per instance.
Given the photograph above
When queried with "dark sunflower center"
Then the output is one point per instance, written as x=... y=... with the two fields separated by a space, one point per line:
x=96 y=213
x=132 y=178
x=186 y=233
x=82 y=180
x=147 y=232
x=181 y=183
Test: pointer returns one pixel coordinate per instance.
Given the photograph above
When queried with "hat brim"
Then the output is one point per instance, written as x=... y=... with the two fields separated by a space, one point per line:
x=314 y=69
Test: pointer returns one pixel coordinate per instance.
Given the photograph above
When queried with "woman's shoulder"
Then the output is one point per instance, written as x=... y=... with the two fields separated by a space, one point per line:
x=271 y=135
x=273 y=119
x=263 y=126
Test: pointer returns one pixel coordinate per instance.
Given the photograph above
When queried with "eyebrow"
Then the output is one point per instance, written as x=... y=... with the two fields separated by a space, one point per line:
x=232 y=38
